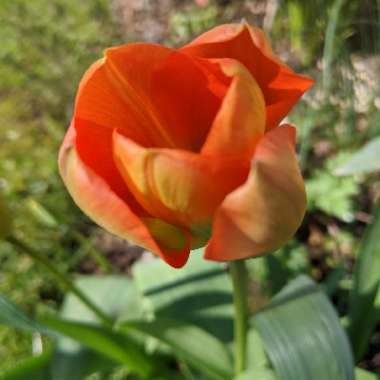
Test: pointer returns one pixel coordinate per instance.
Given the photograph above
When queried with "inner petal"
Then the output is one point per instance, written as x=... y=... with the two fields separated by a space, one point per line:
x=281 y=87
x=175 y=96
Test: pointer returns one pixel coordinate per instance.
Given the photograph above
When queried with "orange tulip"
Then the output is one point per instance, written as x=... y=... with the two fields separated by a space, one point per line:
x=176 y=149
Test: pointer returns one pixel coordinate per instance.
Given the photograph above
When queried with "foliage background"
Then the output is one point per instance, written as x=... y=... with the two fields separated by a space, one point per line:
x=47 y=45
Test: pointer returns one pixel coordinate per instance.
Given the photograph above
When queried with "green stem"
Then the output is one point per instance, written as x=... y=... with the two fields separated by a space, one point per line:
x=239 y=278
x=22 y=247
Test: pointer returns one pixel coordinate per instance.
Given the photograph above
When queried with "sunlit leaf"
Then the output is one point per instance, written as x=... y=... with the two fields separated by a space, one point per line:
x=200 y=293
x=361 y=374
x=116 y=296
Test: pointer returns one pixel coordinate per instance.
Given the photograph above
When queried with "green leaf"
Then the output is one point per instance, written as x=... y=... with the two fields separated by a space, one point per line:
x=361 y=374
x=73 y=361
x=366 y=160
x=116 y=296
x=12 y=316
x=192 y=344
x=44 y=367
x=116 y=346
x=256 y=356
x=257 y=373
x=363 y=311
x=303 y=336
x=36 y=368
x=200 y=293
x=331 y=194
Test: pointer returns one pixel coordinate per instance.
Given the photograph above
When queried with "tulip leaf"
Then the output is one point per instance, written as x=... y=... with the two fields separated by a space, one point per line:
x=256 y=355
x=116 y=296
x=192 y=344
x=113 y=295
x=12 y=316
x=257 y=373
x=73 y=361
x=364 y=312
x=36 y=368
x=366 y=160
x=116 y=346
x=200 y=293
x=303 y=336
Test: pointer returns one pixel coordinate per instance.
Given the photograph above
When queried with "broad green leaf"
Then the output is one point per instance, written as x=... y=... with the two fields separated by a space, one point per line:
x=190 y=343
x=35 y=368
x=303 y=336
x=257 y=373
x=200 y=293
x=363 y=311
x=256 y=356
x=366 y=160
x=361 y=374
x=116 y=296
x=116 y=346
x=12 y=316
x=74 y=362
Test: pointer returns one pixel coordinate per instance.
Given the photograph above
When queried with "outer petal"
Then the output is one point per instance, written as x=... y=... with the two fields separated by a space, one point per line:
x=95 y=197
x=177 y=186
x=240 y=122
x=99 y=104
x=280 y=85
x=98 y=110
x=265 y=212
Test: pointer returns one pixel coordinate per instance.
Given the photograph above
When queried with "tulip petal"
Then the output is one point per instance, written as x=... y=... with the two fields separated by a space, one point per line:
x=98 y=110
x=280 y=85
x=99 y=104
x=175 y=96
x=265 y=212
x=95 y=197
x=240 y=122
x=178 y=186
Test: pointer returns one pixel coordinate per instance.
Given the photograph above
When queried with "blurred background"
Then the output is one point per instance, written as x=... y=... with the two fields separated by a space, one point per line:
x=45 y=47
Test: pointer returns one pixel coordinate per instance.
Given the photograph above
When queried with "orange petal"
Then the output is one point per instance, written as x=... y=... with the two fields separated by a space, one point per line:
x=95 y=197
x=280 y=85
x=98 y=110
x=178 y=186
x=99 y=104
x=175 y=96
x=265 y=212
x=240 y=122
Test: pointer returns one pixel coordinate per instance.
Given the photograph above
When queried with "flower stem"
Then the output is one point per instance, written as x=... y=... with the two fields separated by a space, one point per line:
x=69 y=285
x=239 y=278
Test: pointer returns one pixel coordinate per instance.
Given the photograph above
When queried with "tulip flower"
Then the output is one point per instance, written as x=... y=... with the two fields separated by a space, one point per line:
x=174 y=149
